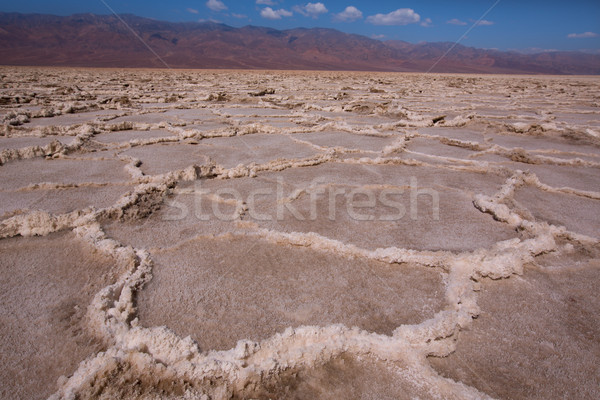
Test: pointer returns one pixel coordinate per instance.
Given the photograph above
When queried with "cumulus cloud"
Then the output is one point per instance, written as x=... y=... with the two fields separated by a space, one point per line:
x=269 y=13
x=583 y=35
x=456 y=21
x=265 y=2
x=484 y=22
x=426 y=22
x=374 y=36
x=192 y=10
x=311 y=9
x=350 y=14
x=402 y=16
x=216 y=5
x=239 y=16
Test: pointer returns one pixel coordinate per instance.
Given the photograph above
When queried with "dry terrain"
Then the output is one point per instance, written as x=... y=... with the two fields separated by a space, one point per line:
x=254 y=234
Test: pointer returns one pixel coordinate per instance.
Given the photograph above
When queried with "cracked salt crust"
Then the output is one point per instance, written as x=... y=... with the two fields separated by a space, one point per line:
x=396 y=310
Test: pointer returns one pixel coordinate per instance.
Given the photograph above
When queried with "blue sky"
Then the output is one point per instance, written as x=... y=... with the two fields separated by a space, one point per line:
x=508 y=24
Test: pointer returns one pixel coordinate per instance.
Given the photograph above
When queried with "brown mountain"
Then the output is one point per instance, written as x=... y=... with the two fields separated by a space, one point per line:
x=468 y=59
x=105 y=41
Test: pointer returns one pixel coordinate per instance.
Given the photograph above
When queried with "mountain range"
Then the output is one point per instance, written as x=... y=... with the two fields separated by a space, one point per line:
x=88 y=40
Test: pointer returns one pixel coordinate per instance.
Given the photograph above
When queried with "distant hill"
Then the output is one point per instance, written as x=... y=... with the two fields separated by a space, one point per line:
x=87 y=40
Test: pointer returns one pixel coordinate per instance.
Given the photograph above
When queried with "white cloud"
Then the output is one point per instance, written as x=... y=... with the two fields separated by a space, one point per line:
x=192 y=10
x=216 y=5
x=402 y=16
x=269 y=13
x=350 y=14
x=484 y=22
x=239 y=16
x=584 y=35
x=316 y=8
x=311 y=9
x=374 y=36
x=455 y=21
x=426 y=22
x=265 y=2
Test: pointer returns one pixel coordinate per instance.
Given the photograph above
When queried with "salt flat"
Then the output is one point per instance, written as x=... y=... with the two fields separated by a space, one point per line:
x=263 y=234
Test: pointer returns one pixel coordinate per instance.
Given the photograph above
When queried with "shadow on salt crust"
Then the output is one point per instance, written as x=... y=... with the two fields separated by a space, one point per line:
x=222 y=290
x=46 y=286
x=347 y=377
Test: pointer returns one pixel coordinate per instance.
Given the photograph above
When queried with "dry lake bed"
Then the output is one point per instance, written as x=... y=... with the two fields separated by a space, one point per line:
x=295 y=235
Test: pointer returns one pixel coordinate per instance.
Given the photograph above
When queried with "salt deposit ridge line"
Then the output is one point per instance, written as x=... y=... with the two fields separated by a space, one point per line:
x=159 y=351
x=463 y=269
x=457 y=268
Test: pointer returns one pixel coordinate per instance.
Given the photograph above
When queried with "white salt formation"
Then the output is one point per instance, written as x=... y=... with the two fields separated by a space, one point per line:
x=291 y=235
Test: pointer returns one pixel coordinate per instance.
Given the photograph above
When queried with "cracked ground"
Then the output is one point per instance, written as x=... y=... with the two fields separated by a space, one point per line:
x=248 y=234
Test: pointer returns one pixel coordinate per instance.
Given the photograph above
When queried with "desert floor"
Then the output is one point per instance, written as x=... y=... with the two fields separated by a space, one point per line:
x=293 y=235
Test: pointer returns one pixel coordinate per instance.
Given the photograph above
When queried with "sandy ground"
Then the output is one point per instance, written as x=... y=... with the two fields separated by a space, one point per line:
x=294 y=235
